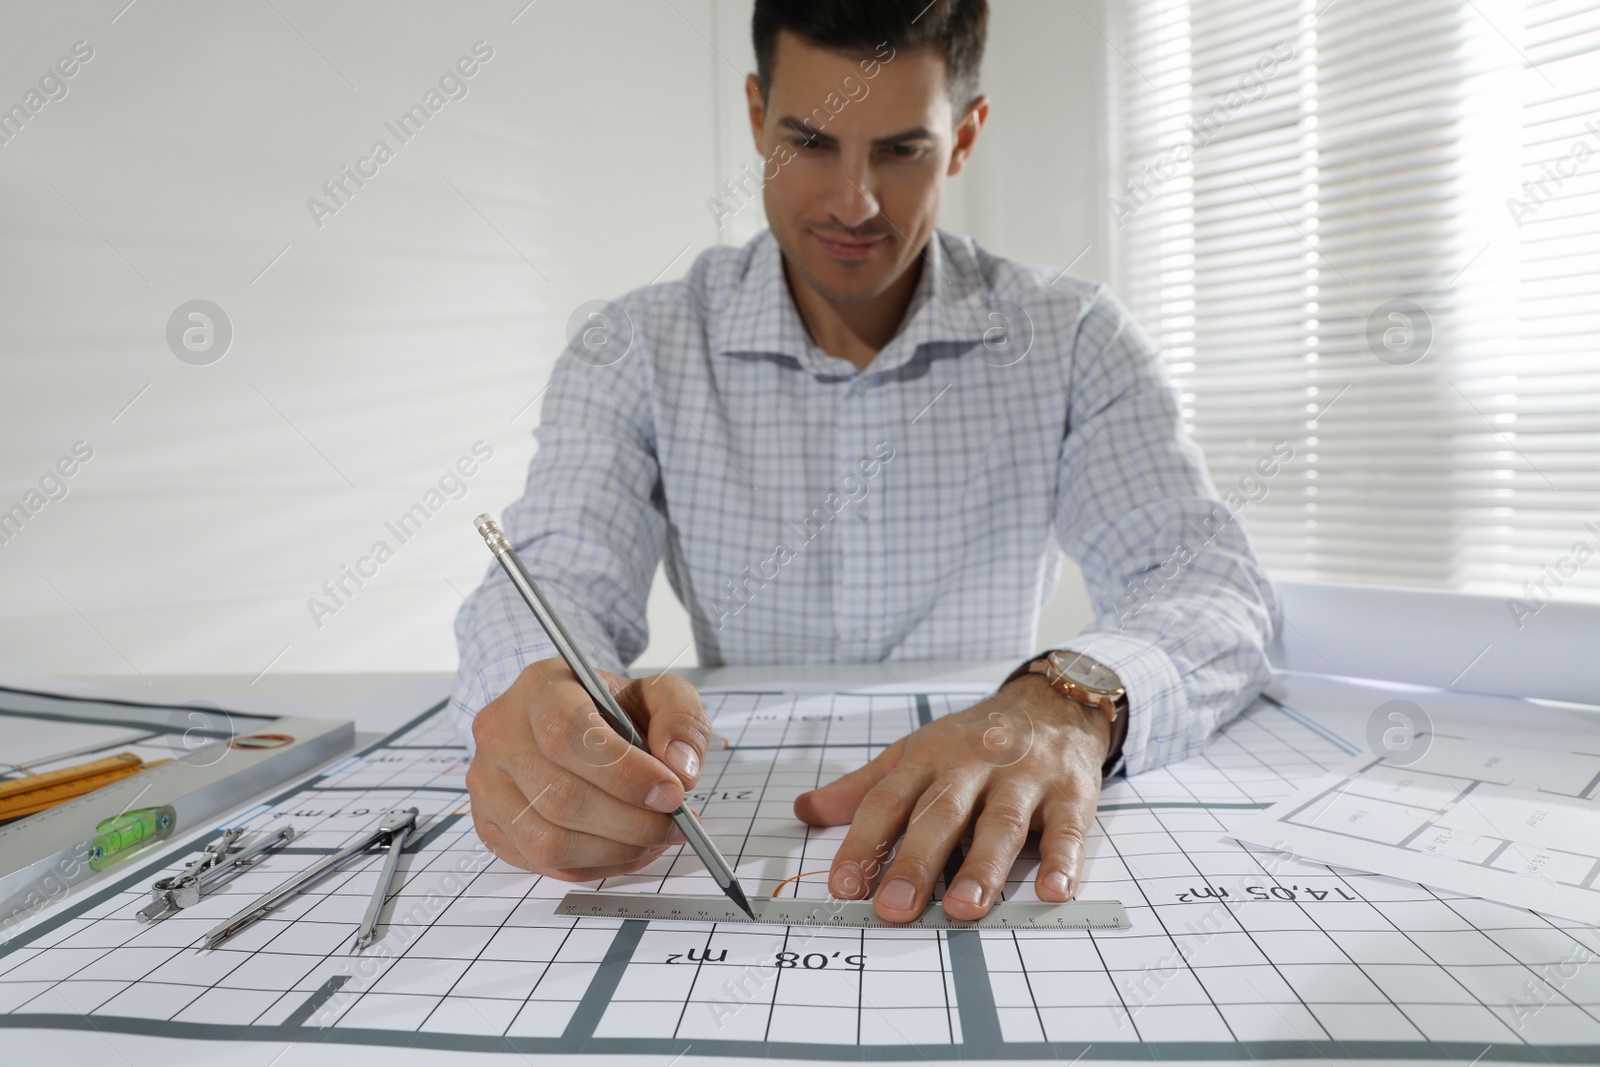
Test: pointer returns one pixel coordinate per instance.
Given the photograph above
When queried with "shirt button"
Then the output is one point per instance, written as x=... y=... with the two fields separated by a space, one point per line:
x=861 y=513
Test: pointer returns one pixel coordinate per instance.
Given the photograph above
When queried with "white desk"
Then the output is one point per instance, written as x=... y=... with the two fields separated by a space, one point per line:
x=1363 y=1028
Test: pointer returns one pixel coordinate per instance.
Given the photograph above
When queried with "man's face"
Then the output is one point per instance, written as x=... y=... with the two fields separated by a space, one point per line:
x=857 y=150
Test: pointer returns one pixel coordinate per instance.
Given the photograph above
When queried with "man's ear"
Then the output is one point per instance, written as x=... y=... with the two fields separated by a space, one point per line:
x=967 y=130
x=758 y=112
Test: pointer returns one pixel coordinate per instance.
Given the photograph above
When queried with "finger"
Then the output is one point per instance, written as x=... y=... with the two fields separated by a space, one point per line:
x=553 y=848
x=997 y=838
x=574 y=804
x=504 y=850
x=935 y=826
x=594 y=874
x=879 y=819
x=491 y=802
x=676 y=727
x=1068 y=811
x=543 y=845
x=573 y=735
x=569 y=730
x=836 y=803
x=502 y=847
x=496 y=841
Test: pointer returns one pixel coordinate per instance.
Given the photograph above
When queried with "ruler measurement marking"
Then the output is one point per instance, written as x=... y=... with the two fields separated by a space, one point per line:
x=851 y=914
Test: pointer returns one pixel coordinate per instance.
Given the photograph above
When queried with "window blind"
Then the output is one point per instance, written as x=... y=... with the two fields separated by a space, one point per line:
x=1367 y=233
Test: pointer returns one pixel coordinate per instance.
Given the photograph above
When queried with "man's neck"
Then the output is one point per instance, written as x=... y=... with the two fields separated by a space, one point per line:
x=854 y=330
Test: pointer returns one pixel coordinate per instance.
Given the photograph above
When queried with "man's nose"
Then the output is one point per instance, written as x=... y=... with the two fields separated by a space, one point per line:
x=852 y=202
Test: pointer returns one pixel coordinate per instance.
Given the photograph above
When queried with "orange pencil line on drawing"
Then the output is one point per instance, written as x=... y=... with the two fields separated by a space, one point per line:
x=779 y=887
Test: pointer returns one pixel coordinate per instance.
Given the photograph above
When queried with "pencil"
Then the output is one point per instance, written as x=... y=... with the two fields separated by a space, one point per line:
x=615 y=717
x=39 y=792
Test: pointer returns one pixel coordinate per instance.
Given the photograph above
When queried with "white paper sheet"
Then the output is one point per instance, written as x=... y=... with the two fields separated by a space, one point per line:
x=1234 y=953
x=1482 y=815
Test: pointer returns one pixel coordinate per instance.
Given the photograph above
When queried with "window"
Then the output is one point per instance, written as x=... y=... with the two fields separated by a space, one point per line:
x=1370 y=230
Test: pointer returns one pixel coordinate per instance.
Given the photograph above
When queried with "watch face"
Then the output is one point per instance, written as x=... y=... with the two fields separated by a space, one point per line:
x=1086 y=671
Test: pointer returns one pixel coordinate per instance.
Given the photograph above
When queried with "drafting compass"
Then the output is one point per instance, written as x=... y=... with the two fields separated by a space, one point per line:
x=214 y=867
x=391 y=834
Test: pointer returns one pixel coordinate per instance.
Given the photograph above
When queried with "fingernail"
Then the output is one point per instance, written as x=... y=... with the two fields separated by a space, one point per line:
x=662 y=798
x=846 y=881
x=898 y=894
x=966 y=891
x=1054 y=883
x=682 y=758
x=676 y=837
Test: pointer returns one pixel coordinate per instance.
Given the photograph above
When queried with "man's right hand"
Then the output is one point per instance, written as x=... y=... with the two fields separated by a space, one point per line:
x=557 y=791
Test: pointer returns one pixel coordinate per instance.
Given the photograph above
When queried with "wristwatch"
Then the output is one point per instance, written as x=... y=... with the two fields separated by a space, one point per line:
x=1083 y=679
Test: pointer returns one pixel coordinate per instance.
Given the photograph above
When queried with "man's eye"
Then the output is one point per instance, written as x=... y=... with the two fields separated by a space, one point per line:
x=904 y=151
x=807 y=142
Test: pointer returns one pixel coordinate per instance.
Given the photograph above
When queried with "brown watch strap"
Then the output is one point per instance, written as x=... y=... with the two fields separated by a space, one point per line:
x=1103 y=701
x=1114 y=760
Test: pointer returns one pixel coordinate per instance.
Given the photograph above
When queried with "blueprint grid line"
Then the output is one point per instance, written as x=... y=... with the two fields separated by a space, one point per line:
x=597 y=998
x=1256 y=856
x=1495 y=812
x=1311 y=724
x=1422 y=948
x=1294 y=956
x=1133 y=1015
x=716 y=787
x=827 y=732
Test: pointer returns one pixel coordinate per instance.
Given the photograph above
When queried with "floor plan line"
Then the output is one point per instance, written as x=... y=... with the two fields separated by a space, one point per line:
x=1312 y=725
x=597 y=998
x=489 y=967
x=323 y=994
x=1063 y=1051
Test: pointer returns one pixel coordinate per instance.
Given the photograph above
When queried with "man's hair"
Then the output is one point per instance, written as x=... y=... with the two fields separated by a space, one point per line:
x=955 y=27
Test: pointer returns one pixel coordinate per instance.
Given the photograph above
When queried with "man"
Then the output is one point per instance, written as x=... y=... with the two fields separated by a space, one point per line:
x=860 y=439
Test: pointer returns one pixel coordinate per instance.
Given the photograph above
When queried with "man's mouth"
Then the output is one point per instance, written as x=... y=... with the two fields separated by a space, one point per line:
x=849 y=249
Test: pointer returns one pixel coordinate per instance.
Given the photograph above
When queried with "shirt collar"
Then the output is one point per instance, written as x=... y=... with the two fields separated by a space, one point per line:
x=947 y=308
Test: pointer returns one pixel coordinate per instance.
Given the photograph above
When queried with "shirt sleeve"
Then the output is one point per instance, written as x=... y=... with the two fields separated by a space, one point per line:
x=1184 y=612
x=590 y=527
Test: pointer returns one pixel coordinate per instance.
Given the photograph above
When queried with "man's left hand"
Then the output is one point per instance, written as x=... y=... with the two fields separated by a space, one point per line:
x=1027 y=759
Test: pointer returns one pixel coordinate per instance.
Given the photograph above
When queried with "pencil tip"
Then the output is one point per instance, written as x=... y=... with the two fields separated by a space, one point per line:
x=736 y=894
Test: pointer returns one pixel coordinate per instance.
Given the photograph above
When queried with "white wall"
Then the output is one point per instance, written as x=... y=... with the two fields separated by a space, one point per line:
x=370 y=353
